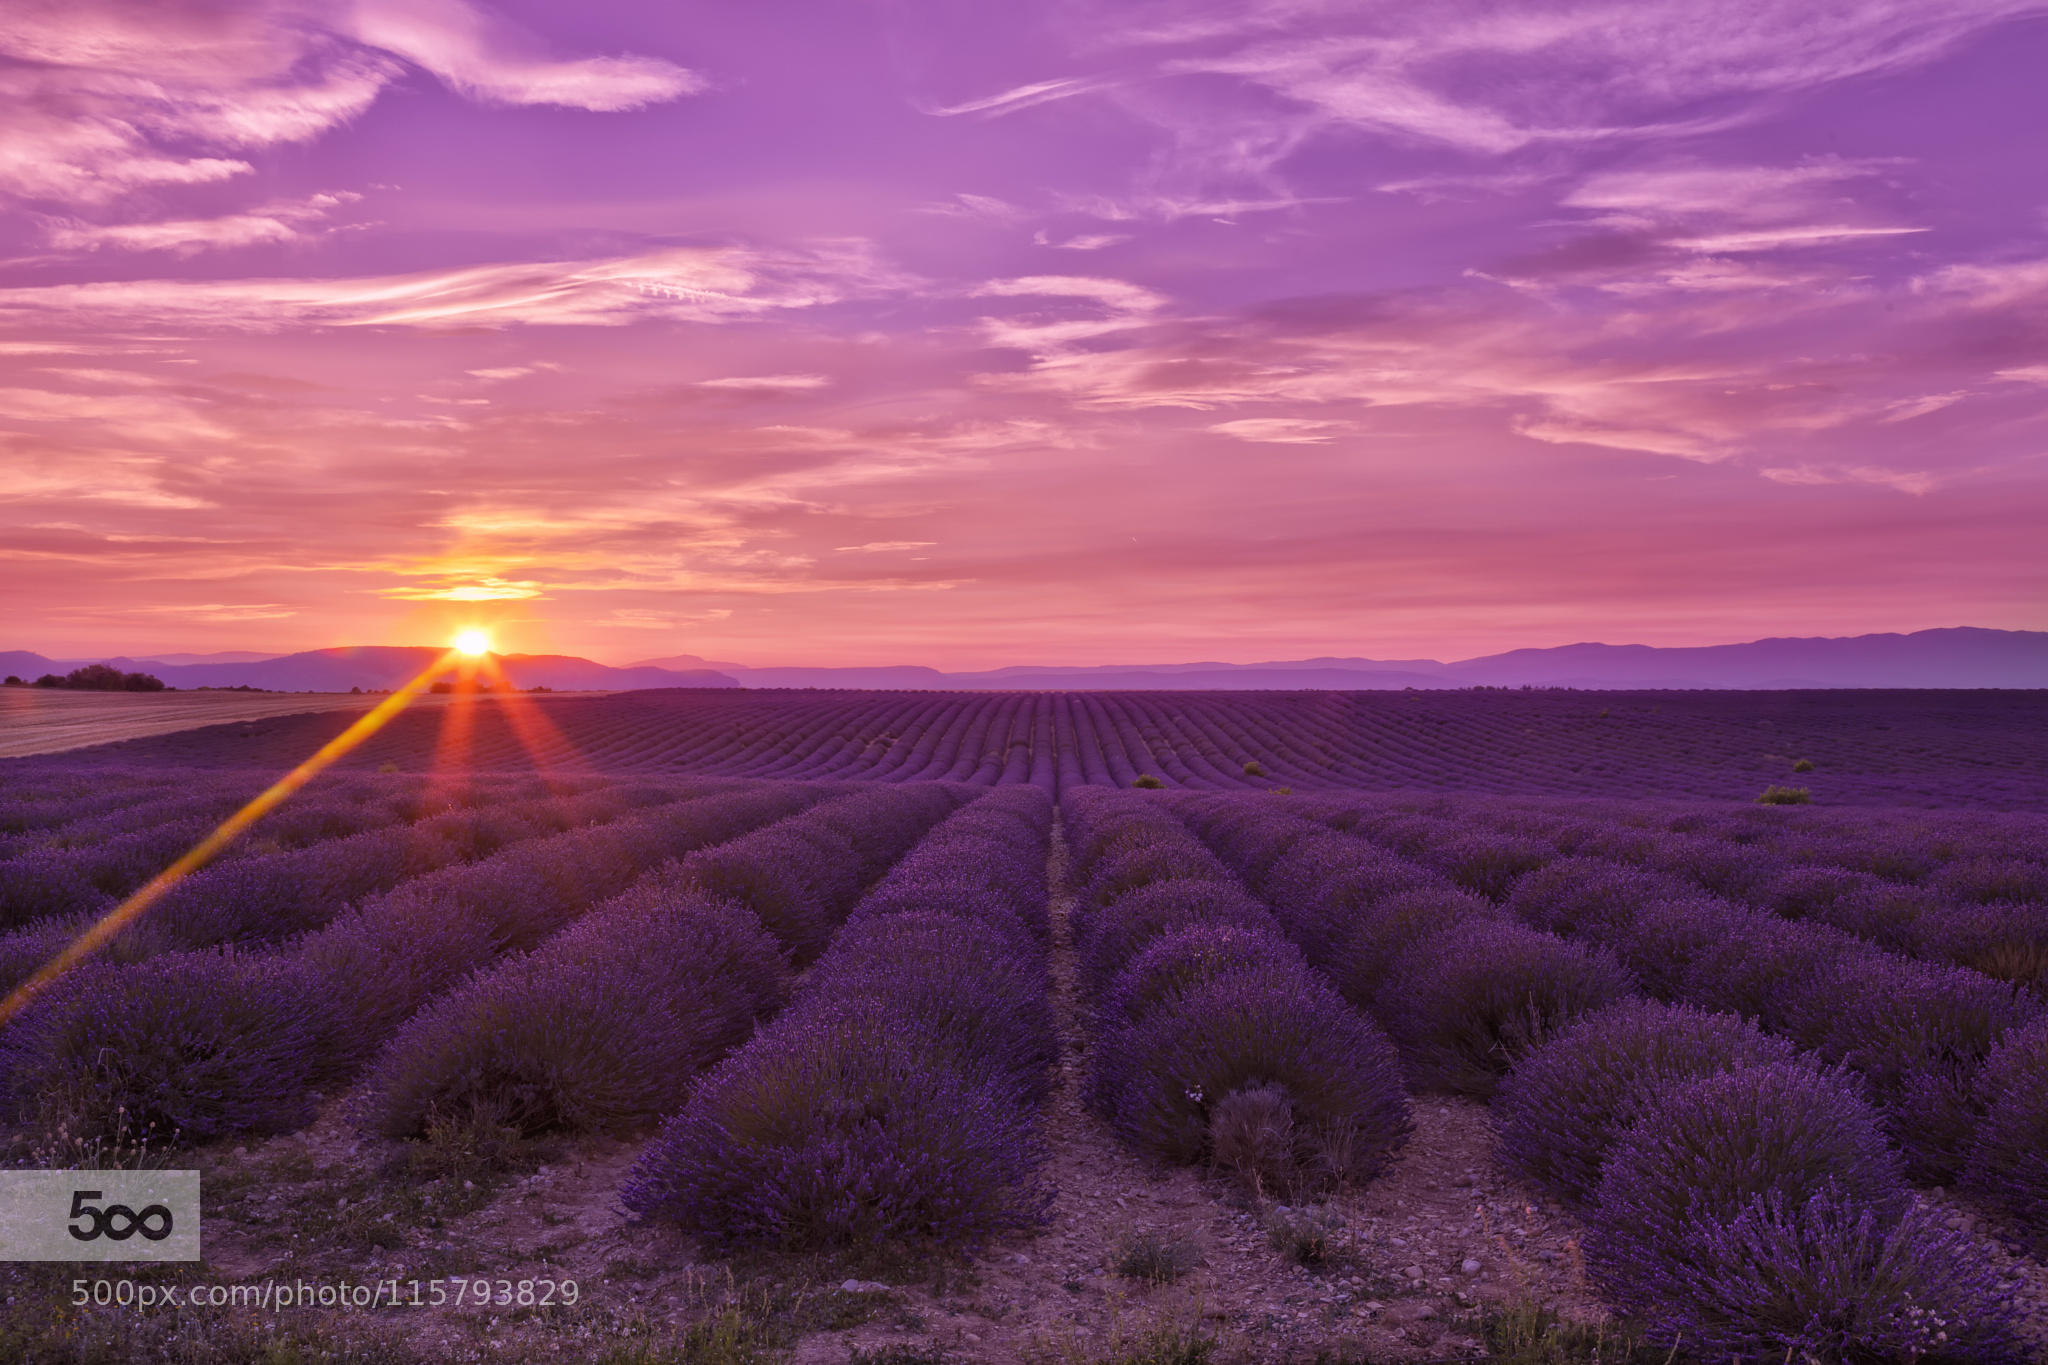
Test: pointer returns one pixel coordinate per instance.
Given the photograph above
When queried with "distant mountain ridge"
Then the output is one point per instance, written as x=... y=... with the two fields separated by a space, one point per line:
x=1957 y=656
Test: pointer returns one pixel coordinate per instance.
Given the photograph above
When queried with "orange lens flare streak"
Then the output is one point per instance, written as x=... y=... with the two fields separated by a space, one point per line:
x=229 y=829
x=451 y=771
x=534 y=731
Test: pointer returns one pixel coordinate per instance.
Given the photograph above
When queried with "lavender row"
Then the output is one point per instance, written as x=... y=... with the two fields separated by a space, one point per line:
x=1917 y=1035
x=1916 y=1032
x=1986 y=910
x=1948 y=749
x=206 y=1043
x=267 y=898
x=366 y=796
x=1703 y=1189
x=1740 y=1198
x=1213 y=1040
x=41 y=796
x=99 y=861
x=1461 y=988
x=605 y=1026
x=894 y=1101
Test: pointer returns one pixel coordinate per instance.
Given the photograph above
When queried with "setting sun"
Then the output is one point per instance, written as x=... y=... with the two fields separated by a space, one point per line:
x=473 y=643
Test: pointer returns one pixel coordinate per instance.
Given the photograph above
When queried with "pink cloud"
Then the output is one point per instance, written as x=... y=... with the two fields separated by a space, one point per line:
x=272 y=225
x=489 y=59
x=678 y=283
x=113 y=96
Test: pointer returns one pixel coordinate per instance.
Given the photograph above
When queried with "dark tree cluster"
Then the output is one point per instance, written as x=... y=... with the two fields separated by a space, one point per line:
x=102 y=678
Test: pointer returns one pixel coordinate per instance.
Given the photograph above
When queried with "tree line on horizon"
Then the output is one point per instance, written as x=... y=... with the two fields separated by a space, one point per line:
x=95 y=678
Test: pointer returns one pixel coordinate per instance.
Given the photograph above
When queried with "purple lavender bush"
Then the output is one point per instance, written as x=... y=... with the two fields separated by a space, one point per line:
x=2008 y=1158
x=791 y=883
x=963 y=985
x=1855 y=902
x=604 y=1029
x=1702 y=1148
x=1986 y=880
x=1111 y=935
x=1331 y=1080
x=1561 y=1109
x=1362 y=957
x=1478 y=994
x=1917 y=1033
x=2005 y=940
x=1752 y=963
x=842 y=1128
x=1126 y=869
x=1487 y=864
x=186 y=1046
x=1181 y=959
x=1588 y=895
x=1826 y=1278
x=1772 y=1173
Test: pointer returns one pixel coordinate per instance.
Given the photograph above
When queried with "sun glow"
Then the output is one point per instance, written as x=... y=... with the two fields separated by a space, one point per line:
x=473 y=644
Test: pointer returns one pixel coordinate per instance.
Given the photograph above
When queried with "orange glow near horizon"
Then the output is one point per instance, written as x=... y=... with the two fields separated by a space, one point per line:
x=472 y=643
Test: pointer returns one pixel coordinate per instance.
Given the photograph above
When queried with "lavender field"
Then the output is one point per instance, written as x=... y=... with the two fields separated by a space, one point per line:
x=1065 y=1027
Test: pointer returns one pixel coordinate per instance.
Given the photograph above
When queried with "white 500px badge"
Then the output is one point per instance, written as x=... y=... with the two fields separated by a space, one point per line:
x=99 y=1215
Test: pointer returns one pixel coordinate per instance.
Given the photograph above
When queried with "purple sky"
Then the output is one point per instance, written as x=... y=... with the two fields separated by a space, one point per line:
x=972 y=334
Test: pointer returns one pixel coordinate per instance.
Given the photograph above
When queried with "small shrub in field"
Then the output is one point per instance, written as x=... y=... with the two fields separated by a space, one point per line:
x=1147 y=781
x=1702 y=1152
x=1110 y=936
x=1528 y=1332
x=1168 y=1343
x=1302 y=1236
x=1784 y=796
x=2008 y=1159
x=1251 y=1030
x=1563 y=1106
x=1251 y=1135
x=1254 y=768
x=841 y=1128
x=602 y=1031
x=1804 y=765
x=1479 y=994
x=1156 y=1257
x=185 y=1046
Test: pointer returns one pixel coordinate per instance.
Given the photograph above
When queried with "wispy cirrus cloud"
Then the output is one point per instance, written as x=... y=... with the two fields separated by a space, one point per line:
x=1494 y=79
x=1914 y=481
x=1303 y=431
x=767 y=382
x=269 y=225
x=487 y=58
x=708 y=284
x=107 y=97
